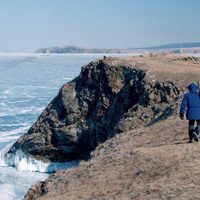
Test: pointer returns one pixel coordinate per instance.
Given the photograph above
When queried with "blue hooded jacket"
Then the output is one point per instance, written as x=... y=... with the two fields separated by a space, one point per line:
x=191 y=101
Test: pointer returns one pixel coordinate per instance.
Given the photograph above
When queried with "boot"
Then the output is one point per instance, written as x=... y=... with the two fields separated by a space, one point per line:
x=190 y=141
x=195 y=136
x=190 y=136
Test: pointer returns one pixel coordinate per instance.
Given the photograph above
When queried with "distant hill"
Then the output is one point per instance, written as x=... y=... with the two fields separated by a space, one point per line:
x=174 y=46
x=75 y=49
x=190 y=47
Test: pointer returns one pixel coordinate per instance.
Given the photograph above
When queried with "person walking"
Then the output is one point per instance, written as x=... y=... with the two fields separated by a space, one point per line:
x=191 y=103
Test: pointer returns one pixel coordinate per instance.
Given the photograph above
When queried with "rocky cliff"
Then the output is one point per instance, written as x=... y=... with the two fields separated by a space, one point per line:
x=137 y=97
x=108 y=97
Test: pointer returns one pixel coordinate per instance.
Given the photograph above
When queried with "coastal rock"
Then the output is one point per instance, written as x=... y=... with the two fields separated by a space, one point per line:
x=150 y=158
x=108 y=97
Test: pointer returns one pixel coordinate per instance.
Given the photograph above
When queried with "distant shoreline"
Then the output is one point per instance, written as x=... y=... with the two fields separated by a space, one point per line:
x=34 y=54
x=16 y=54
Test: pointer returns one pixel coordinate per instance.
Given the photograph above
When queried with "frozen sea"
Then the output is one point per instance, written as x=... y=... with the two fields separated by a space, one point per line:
x=28 y=82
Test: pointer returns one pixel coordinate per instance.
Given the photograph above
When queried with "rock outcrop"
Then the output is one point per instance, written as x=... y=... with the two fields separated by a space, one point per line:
x=108 y=97
x=137 y=97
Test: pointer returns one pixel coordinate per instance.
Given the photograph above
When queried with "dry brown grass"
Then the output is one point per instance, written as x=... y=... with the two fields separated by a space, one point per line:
x=152 y=163
x=163 y=67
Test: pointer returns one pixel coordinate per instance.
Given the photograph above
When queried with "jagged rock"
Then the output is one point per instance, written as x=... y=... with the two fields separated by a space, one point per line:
x=151 y=162
x=108 y=97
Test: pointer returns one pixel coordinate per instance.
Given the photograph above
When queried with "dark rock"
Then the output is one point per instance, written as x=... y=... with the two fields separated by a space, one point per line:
x=105 y=99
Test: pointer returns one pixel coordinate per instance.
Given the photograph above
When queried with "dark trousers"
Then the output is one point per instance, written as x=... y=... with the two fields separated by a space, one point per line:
x=192 y=128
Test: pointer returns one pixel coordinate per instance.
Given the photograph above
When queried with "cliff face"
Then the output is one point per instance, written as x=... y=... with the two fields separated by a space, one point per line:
x=108 y=97
x=150 y=159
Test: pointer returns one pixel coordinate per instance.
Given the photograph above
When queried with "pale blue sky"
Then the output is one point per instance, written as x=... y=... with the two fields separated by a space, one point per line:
x=30 y=24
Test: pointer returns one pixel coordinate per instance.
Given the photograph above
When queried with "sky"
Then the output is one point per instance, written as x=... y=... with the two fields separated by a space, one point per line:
x=32 y=24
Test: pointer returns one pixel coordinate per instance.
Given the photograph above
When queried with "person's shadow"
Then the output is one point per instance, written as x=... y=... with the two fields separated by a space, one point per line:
x=184 y=140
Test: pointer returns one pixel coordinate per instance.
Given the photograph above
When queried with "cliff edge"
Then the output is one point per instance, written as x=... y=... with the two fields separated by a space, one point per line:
x=137 y=97
x=109 y=96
